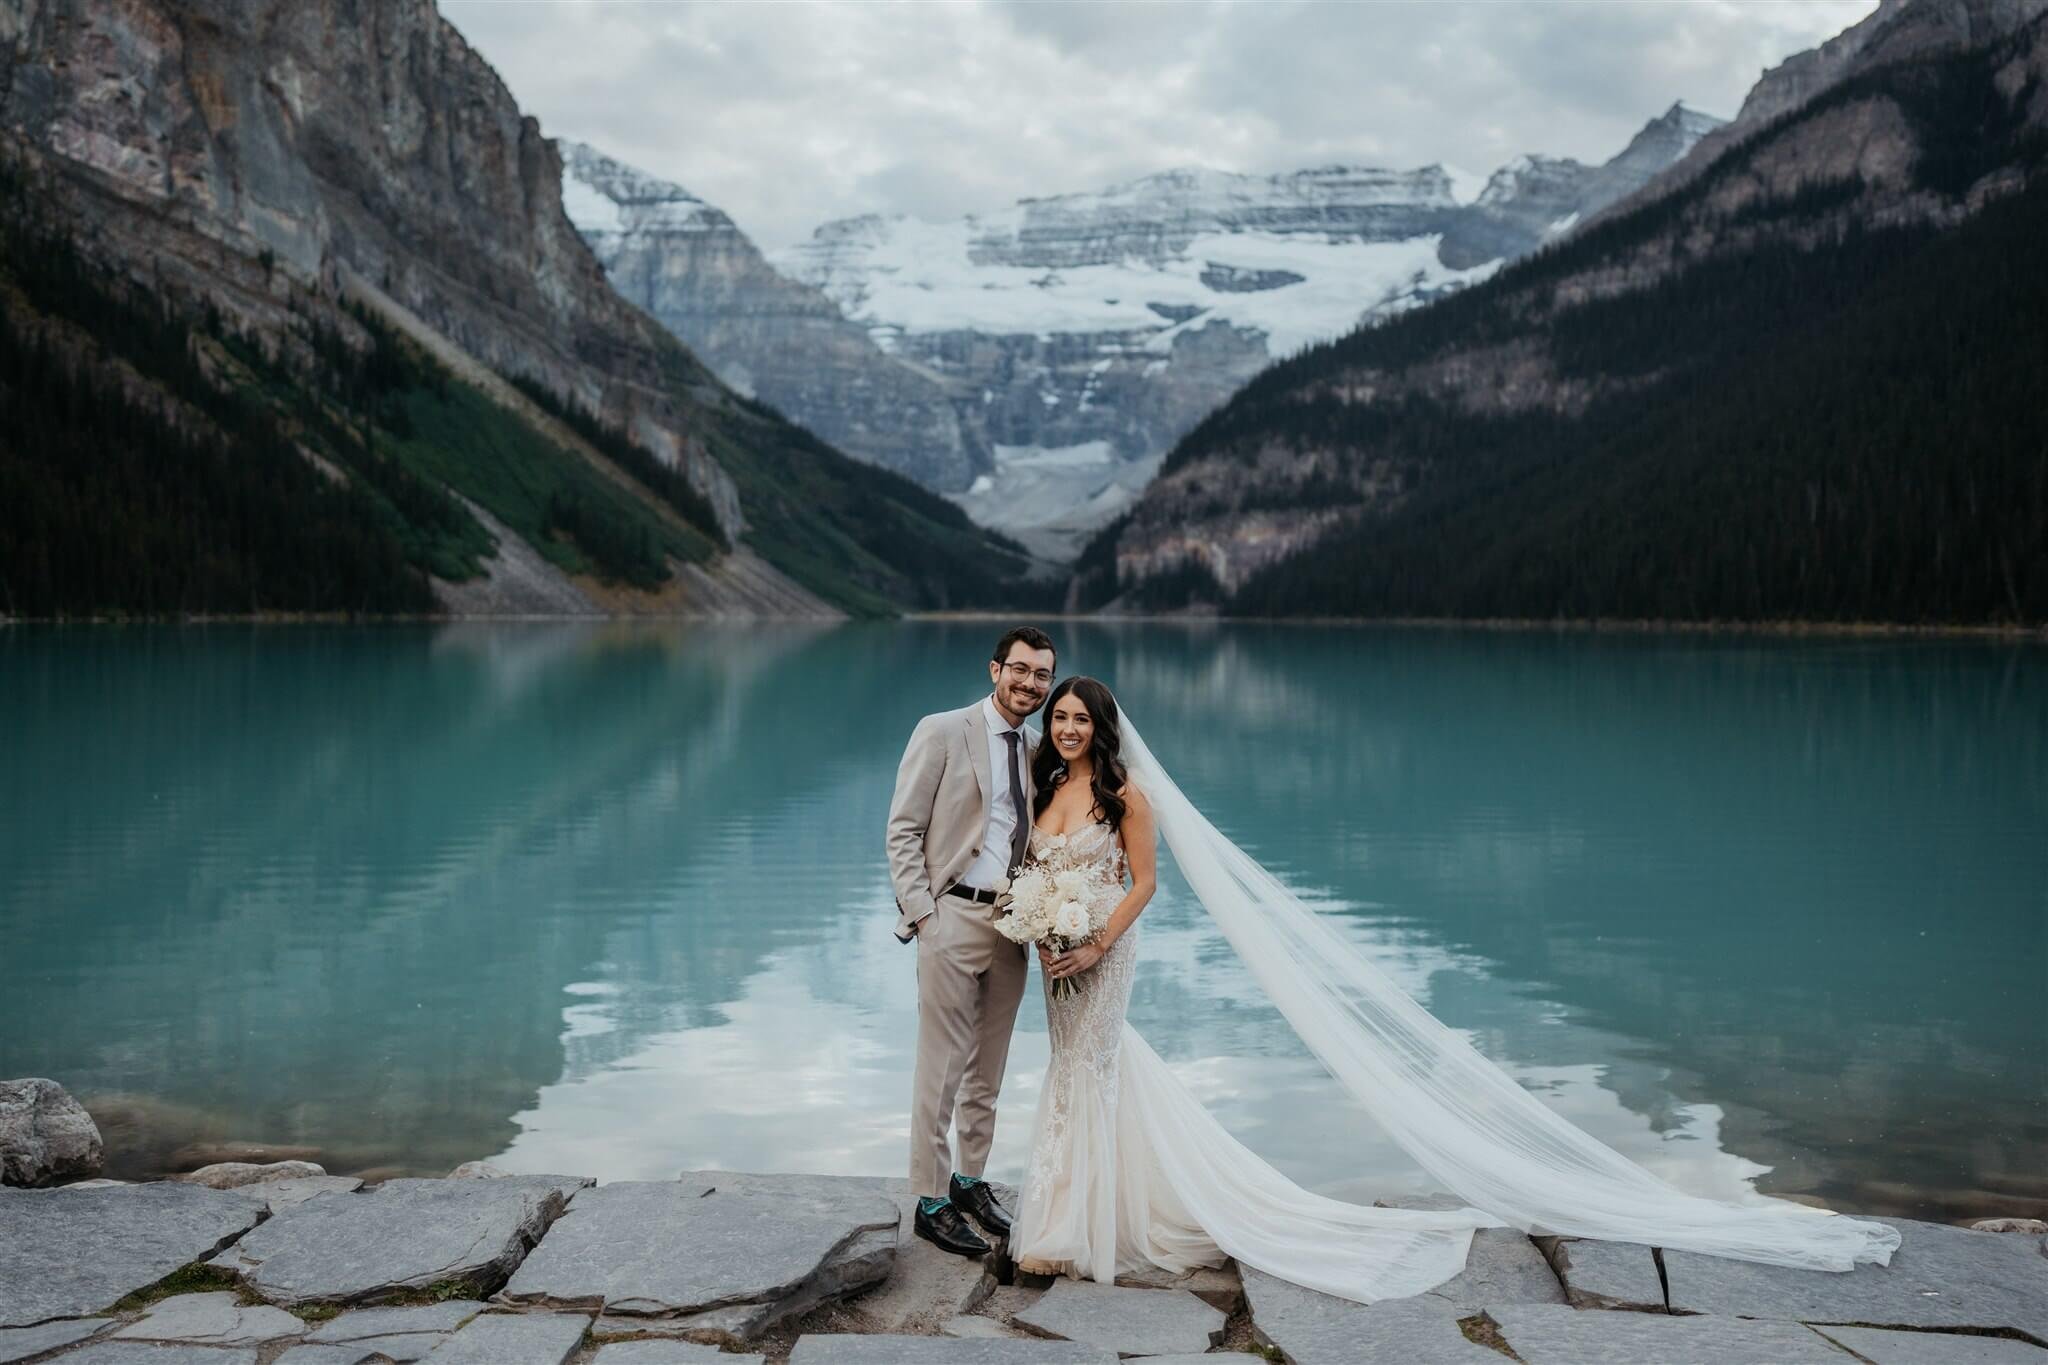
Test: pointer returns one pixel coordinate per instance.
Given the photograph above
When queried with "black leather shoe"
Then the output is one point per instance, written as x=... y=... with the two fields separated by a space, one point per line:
x=980 y=1203
x=948 y=1231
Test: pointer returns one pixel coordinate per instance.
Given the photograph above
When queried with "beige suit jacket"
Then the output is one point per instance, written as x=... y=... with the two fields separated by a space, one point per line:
x=940 y=810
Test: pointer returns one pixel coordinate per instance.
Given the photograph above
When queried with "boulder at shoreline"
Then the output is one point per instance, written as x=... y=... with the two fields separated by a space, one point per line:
x=45 y=1135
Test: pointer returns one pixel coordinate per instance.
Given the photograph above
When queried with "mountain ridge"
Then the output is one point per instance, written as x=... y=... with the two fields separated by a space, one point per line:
x=687 y=265
x=235 y=164
x=1336 y=477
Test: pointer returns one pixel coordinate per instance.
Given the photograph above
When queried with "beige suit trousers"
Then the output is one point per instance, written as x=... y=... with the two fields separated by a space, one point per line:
x=970 y=980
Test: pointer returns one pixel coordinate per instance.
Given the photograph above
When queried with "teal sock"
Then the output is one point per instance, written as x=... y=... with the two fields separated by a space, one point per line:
x=933 y=1203
x=969 y=1180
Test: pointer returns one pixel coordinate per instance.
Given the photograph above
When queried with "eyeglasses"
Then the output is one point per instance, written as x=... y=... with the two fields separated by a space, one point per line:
x=1021 y=671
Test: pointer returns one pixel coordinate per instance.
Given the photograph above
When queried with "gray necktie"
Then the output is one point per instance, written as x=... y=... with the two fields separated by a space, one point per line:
x=1021 y=835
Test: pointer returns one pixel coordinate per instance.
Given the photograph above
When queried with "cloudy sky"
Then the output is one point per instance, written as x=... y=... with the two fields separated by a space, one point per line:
x=787 y=115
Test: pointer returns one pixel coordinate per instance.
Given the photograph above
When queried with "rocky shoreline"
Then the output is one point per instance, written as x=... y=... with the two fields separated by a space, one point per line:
x=280 y=1263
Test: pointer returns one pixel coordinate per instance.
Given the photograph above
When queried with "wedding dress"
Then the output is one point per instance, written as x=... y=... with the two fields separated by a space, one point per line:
x=1128 y=1170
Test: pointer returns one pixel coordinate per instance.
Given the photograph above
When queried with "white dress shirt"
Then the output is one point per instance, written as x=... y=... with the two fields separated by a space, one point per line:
x=992 y=864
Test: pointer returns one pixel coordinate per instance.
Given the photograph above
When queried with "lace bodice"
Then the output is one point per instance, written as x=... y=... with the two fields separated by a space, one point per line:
x=1093 y=848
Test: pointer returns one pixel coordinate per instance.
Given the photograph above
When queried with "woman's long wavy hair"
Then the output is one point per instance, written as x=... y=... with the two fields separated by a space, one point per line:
x=1049 y=770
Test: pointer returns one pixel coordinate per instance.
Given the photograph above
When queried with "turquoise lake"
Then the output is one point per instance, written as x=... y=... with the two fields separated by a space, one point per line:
x=610 y=900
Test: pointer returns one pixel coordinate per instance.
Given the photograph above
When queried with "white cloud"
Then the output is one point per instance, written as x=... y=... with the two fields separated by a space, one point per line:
x=787 y=115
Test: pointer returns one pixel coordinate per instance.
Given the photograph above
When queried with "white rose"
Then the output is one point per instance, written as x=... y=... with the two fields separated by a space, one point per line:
x=1070 y=921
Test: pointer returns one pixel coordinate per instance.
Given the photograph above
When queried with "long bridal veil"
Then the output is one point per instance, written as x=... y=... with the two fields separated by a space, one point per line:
x=1462 y=1118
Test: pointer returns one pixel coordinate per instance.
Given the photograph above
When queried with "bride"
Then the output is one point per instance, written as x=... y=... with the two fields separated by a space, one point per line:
x=1127 y=1170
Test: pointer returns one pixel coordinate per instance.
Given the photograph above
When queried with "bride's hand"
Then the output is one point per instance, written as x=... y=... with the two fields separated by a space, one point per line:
x=1045 y=958
x=1074 y=961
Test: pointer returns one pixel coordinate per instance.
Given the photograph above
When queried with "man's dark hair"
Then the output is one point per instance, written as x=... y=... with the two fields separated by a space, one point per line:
x=1031 y=636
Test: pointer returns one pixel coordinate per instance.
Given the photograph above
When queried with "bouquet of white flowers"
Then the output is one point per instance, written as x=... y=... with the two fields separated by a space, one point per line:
x=1062 y=910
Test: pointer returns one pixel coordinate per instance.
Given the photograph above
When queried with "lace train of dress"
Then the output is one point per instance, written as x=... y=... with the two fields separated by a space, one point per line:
x=1128 y=1170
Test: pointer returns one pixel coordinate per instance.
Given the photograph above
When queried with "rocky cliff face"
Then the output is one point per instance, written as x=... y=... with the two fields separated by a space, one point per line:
x=1314 y=453
x=770 y=337
x=1088 y=332
x=1897 y=30
x=271 y=161
x=326 y=136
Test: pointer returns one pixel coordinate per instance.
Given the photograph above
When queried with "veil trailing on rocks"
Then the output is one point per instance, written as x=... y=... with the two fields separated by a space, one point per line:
x=1462 y=1118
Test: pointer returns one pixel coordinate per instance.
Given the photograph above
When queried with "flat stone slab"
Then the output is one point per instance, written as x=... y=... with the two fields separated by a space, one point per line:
x=622 y=1324
x=1939 y=1277
x=150 y=1353
x=1885 y=1346
x=407 y=1333
x=1606 y=1274
x=879 y=1349
x=211 y=1320
x=282 y=1194
x=669 y=1353
x=1139 y=1322
x=1217 y=1286
x=196 y=1154
x=19 y=1343
x=328 y=1354
x=733 y=1252
x=66 y=1253
x=407 y=1346
x=1313 y=1328
x=405 y=1234
x=1543 y=1334
x=233 y=1175
x=978 y=1328
x=363 y=1323
x=500 y=1338
x=926 y=1286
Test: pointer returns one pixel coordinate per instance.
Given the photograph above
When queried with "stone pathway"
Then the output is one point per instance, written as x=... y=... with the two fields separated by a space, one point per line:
x=730 y=1255
x=1137 y=1322
x=1545 y=1335
x=404 y=1235
x=1606 y=1274
x=876 y=1349
x=1939 y=1277
x=811 y=1270
x=409 y=1333
x=69 y=1253
x=210 y=1320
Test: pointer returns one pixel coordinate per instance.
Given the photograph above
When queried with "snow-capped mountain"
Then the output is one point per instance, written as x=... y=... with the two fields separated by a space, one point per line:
x=1035 y=363
x=1295 y=257
x=1094 y=329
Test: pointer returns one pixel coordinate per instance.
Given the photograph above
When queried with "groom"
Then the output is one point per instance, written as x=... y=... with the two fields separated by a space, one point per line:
x=957 y=831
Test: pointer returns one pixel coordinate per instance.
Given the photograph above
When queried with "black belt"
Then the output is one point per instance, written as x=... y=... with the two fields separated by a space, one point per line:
x=973 y=893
